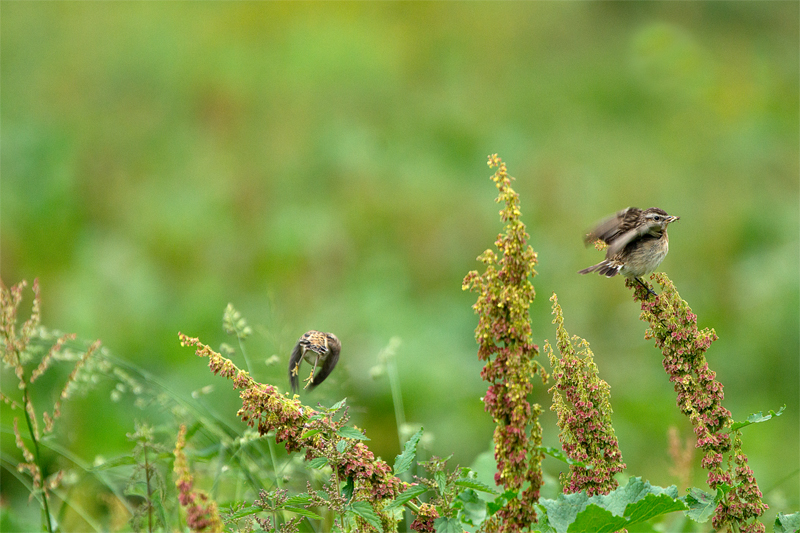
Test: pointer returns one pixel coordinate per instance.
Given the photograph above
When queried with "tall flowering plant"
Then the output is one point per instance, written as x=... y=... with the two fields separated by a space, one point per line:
x=583 y=403
x=505 y=293
x=673 y=326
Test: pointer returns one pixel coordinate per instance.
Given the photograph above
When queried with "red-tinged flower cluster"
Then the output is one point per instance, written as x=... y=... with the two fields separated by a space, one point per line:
x=582 y=401
x=425 y=518
x=699 y=396
x=264 y=408
x=504 y=339
x=201 y=512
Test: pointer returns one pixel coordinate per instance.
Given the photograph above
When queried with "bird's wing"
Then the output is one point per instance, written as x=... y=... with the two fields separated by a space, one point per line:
x=626 y=238
x=327 y=367
x=609 y=229
x=294 y=362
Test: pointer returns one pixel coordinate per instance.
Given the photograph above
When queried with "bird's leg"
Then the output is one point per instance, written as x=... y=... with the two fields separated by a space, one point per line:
x=642 y=283
x=310 y=377
x=296 y=369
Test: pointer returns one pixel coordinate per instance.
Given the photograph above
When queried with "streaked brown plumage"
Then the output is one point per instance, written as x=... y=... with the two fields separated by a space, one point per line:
x=317 y=348
x=637 y=242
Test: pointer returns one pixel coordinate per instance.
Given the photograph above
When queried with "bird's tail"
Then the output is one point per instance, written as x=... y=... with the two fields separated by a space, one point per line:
x=605 y=268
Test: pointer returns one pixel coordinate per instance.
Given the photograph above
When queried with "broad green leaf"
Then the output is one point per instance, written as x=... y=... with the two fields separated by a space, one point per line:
x=475 y=484
x=701 y=505
x=595 y=519
x=407 y=495
x=472 y=509
x=302 y=511
x=634 y=503
x=787 y=523
x=341 y=446
x=403 y=461
x=651 y=506
x=351 y=433
x=365 y=511
x=755 y=418
x=318 y=462
x=447 y=525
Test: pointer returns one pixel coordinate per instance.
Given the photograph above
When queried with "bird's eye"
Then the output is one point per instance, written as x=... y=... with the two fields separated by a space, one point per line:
x=657 y=218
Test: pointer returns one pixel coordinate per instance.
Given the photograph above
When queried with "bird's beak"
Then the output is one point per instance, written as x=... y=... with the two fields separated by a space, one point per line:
x=672 y=219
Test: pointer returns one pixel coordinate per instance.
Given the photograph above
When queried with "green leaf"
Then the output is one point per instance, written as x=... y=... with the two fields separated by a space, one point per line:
x=299 y=500
x=113 y=463
x=755 y=418
x=242 y=513
x=348 y=489
x=310 y=433
x=701 y=505
x=403 y=461
x=337 y=405
x=476 y=485
x=318 y=462
x=787 y=523
x=302 y=511
x=500 y=501
x=555 y=453
x=348 y=432
x=447 y=525
x=365 y=511
x=441 y=482
x=341 y=446
x=632 y=504
x=472 y=509
x=407 y=495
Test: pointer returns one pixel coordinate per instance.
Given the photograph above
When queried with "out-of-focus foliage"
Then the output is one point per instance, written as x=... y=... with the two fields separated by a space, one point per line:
x=322 y=166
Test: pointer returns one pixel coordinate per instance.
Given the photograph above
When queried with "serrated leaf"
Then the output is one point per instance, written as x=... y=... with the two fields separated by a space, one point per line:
x=441 y=482
x=787 y=523
x=318 y=462
x=302 y=511
x=447 y=525
x=407 y=495
x=299 y=500
x=242 y=513
x=338 y=405
x=475 y=485
x=635 y=502
x=341 y=446
x=701 y=505
x=348 y=432
x=317 y=416
x=403 y=461
x=755 y=418
x=365 y=511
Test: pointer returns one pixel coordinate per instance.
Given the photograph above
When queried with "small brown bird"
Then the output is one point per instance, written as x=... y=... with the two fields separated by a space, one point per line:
x=316 y=348
x=637 y=243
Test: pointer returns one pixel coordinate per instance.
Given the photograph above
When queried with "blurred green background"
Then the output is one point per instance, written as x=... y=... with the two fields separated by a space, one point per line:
x=323 y=166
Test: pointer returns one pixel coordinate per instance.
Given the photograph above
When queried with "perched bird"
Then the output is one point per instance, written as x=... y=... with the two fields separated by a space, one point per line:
x=317 y=348
x=637 y=243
